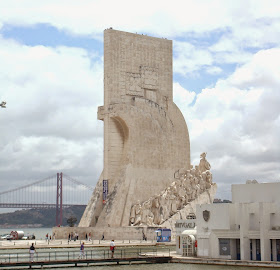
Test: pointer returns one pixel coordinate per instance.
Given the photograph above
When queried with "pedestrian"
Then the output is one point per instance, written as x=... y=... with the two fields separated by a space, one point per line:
x=86 y=237
x=47 y=237
x=89 y=237
x=112 y=248
x=69 y=237
x=82 y=251
x=103 y=238
x=32 y=250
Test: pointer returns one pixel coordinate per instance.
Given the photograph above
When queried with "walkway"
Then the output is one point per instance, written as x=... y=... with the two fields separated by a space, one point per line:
x=194 y=260
x=24 y=244
x=73 y=256
x=97 y=252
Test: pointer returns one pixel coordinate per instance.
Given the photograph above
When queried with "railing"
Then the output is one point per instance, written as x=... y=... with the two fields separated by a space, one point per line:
x=35 y=205
x=89 y=254
x=40 y=243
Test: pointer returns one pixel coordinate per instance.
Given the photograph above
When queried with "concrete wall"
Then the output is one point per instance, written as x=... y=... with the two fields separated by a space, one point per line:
x=260 y=192
x=219 y=216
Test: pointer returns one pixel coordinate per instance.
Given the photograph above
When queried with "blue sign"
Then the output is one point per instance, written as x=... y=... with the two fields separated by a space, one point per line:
x=105 y=190
x=163 y=235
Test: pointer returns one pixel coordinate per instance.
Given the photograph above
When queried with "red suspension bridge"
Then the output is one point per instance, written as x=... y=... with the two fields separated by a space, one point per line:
x=58 y=191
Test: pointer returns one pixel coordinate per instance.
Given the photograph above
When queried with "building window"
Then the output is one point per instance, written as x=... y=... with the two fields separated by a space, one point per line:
x=224 y=245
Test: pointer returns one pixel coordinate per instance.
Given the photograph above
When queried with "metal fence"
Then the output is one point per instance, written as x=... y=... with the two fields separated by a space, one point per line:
x=38 y=243
x=88 y=254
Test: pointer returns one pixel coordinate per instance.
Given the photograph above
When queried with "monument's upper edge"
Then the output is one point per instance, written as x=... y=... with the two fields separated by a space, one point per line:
x=128 y=33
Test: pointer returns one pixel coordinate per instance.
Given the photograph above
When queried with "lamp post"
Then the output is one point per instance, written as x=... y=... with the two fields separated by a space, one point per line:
x=3 y=104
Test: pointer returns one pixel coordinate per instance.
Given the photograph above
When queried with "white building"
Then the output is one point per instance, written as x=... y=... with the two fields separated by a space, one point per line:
x=186 y=236
x=246 y=229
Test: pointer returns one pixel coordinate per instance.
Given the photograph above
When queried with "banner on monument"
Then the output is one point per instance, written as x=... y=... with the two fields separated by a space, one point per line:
x=105 y=190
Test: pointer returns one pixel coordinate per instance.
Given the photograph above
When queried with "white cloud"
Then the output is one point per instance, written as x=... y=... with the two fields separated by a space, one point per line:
x=238 y=26
x=262 y=70
x=189 y=59
x=214 y=70
x=50 y=122
x=238 y=123
x=91 y=17
x=160 y=17
x=181 y=96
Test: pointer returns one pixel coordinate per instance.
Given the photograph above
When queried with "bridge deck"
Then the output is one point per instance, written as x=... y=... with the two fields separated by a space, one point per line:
x=80 y=262
x=36 y=205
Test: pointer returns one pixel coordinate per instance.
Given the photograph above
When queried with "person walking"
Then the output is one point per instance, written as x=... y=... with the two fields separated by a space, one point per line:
x=82 y=251
x=32 y=250
x=112 y=248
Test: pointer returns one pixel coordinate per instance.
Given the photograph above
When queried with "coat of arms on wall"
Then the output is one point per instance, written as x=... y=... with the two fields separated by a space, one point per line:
x=206 y=215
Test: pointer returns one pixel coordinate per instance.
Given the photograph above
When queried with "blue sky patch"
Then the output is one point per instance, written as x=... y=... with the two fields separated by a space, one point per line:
x=47 y=35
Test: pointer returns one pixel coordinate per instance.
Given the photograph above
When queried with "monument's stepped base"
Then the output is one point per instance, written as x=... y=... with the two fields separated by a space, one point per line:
x=120 y=233
x=136 y=233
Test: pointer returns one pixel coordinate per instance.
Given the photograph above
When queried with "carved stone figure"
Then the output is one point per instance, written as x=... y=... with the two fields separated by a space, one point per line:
x=173 y=204
x=202 y=183
x=146 y=209
x=208 y=179
x=136 y=213
x=155 y=210
x=204 y=165
x=181 y=202
x=181 y=191
x=165 y=209
x=150 y=219
x=197 y=171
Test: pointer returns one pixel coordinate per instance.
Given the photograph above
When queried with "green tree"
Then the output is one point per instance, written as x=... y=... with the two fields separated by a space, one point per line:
x=71 y=221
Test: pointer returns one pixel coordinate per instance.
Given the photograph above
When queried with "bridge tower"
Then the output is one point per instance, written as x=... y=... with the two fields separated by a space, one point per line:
x=59 y=200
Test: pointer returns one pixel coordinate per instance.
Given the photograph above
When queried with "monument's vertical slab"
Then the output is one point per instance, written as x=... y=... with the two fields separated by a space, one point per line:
x=137 y=65
x=145 y=135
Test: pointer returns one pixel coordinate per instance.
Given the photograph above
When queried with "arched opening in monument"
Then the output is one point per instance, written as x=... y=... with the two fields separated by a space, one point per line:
x=118 y=137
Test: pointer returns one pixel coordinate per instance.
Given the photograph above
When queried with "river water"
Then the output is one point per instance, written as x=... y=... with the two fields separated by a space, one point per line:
x=168 y=266
x=41 y=232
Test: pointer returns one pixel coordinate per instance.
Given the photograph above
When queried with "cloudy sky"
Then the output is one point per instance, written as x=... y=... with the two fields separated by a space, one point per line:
x=226 y=64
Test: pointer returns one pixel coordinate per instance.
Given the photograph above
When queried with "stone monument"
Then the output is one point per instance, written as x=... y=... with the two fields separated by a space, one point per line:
x=147 y=180
x=146 y=138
